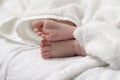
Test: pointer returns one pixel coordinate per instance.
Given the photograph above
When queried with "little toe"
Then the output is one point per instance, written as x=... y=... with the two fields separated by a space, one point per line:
x=46 y=55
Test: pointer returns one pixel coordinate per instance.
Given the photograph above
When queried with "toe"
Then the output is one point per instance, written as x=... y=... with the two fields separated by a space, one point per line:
x=43 y=36
x=44 y=43
x=46 y=55
x=37 y=24
x=39 y=33
x=41 y=44
x=36 y=30
x=46 y=49
x=46 y=52
x=48 y=37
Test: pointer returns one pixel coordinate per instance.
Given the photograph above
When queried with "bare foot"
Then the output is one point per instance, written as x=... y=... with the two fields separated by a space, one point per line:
x=54 y=30
x=59 y=49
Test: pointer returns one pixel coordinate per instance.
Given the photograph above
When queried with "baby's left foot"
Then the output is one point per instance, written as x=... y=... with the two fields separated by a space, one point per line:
x=59 y=49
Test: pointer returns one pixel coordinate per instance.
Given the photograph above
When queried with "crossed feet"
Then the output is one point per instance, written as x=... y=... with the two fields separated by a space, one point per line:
x=58 y=40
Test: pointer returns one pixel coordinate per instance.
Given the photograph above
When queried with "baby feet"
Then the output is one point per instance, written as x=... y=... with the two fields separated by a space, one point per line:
x=57 y=40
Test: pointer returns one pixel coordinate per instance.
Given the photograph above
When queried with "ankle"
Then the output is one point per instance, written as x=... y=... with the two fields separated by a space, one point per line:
x=78 y=49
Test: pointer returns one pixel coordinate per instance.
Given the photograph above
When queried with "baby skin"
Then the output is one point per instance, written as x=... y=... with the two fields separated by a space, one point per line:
x=58 y=40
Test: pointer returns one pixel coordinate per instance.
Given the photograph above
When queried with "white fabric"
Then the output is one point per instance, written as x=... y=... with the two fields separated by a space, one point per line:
x=23 y=62
x=97 y=31
x=101 y=35
x=19 y=13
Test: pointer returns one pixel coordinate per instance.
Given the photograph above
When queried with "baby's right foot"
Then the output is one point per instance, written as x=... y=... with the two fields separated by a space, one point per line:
x=53 y=30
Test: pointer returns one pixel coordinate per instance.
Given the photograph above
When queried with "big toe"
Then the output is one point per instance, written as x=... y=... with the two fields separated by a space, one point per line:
x=37 y=24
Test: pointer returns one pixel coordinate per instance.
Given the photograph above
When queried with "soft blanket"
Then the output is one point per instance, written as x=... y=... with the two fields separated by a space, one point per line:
x=97 y=31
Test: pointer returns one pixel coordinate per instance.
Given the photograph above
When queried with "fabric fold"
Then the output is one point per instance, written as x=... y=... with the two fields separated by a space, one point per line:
x=101 y=41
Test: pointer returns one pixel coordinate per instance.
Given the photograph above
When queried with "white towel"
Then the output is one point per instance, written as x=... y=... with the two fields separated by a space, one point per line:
x=100 y=36
x=97 y=29
x=17 y=16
